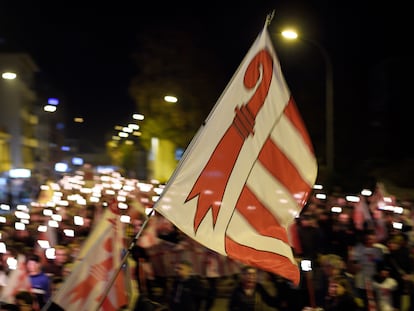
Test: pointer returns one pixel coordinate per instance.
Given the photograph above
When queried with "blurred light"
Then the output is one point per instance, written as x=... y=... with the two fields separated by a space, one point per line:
x=65 y=148
x=321 y=196
x=61 y=167
x=8 y=75
x=78 y=120
x=125 y=219
x=366 y=192
x=43 y=243
x=170 y=99
x=19 y=226
x=12 y=263
x=19 y=173
x=138 y=116
x=77 y=161
x=397 y=225
x=290 y=34
x=2 y=248
x=50 y=253
x=53 y=101
x=69 y=232
x=352 y=198
x=336 y=209
x=49 y=108
x=317 y=187
x=5 y=207
x=78 y=220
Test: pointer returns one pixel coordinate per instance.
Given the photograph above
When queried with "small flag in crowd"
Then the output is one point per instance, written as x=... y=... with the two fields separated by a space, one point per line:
x=88 y=286
x=18 y=280
x=248 y=172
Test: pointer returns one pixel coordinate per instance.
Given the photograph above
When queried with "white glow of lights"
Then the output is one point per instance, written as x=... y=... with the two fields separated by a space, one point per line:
x=3 y=219
x=43 y=243
x=69 y=233
x=155 y=198
x=21 y=215
x=25 y=221
x=366 y=192
x=306 y=265
x=94 y=199
x=8 y=75
x=158 y=190
x=398 y=210
x=42 y=228
x=317 y=187
x=138 y=116
x=387 y=200
x=5 y=207
x=170 y=99
x=22 y=207
x=57 y=217
x=19 y=226
x=320 y=196
x=122 y=205
x=352 y=198
x=145 y=187
x=133 y=126
x=336 y=209
x=50 y=253
x=19 y=173
x=12 y=263
x=397 y=225
x=125 y=219
x=3 y=249
x=123 y=134
x=78 y=220
x=47 y=212
x=53 y=224
x=109 y=192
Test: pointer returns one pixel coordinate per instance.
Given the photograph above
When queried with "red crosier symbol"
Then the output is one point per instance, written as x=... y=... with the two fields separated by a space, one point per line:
x=217 y=171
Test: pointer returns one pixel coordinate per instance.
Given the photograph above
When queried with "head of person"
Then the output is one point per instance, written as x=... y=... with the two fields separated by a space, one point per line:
x=338 y=286
x=34 y=265
x=183 y=269
x=249 y=276
x=61 y=255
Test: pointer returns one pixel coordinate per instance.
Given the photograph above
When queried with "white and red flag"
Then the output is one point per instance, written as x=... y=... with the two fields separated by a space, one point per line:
x=248 y=172
x=18 y=280
x=86 y=288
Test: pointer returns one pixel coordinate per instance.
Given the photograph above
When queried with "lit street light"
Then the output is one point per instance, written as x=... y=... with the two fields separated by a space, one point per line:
x=329 y=116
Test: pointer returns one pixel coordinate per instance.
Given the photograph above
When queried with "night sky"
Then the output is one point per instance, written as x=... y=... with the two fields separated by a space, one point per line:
x=84 y=53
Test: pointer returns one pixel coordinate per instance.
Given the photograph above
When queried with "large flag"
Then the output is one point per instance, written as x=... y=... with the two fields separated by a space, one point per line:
x=248 y=172
x=89 y=287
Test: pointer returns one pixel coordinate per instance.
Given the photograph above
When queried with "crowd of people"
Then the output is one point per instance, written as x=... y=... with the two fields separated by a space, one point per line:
x=358 y=254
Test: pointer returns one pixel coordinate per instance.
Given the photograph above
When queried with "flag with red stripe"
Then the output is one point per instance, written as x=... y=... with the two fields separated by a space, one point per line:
x=96 y=281
x=248 y=172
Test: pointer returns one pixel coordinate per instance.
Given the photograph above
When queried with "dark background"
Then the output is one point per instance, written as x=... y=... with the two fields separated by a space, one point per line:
x=85 y=55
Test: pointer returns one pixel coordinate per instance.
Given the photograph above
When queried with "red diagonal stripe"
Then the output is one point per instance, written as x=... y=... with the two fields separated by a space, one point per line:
x=259 y=216
x=279 y=166
x=272 y=262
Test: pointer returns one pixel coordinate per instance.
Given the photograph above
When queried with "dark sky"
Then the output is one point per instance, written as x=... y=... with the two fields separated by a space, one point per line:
x=84 y=53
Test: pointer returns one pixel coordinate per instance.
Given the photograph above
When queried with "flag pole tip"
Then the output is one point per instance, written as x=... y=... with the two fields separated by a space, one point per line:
x=269 y=17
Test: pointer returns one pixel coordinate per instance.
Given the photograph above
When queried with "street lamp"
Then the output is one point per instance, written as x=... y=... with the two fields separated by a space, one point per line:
x=329 y=116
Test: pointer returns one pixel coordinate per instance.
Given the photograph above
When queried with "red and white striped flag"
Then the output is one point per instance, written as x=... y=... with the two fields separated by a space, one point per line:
x=248 y=172
x=85 y=289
